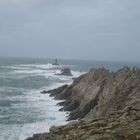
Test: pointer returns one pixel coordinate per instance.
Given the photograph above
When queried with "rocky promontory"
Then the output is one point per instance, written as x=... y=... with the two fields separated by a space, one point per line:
x=105 y=104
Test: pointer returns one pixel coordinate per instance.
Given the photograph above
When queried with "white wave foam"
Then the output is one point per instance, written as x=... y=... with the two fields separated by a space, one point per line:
x=68 y=79
x=17 y=67
x=37 y=105
x=77 y=73
x=10 y=90
x=47 y=70
x=31 y=66
x=34 y=104
x=39 y=66
x=48 y=66
x=32 y=71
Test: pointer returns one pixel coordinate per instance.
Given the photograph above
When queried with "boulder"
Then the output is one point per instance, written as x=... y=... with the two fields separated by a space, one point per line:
x=66 y=72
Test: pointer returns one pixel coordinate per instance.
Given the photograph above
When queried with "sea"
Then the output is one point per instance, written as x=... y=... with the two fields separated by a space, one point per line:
x=24 y=111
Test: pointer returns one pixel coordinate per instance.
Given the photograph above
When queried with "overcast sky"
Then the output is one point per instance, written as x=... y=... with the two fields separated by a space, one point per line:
x=78 y=29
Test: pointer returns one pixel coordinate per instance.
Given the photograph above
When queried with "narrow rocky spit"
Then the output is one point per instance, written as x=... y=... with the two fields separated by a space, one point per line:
x=105 y=106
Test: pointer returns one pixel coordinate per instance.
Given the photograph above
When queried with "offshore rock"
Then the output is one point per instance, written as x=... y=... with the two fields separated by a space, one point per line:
x=107 y=105
x=66 y=72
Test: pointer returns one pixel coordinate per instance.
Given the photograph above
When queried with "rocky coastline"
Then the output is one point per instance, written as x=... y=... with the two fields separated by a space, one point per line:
x=105 y=105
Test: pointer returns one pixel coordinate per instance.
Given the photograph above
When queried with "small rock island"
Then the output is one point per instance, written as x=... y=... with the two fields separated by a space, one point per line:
x=66 y=72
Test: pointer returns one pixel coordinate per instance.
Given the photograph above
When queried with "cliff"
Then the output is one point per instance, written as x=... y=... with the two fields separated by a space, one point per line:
x=107 y=105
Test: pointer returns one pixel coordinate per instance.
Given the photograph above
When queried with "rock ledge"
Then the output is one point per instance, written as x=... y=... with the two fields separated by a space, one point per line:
x=107 y=105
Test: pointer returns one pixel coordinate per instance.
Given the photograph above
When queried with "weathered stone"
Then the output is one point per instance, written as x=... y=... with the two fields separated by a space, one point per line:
x=107 y=104
x=65 y=72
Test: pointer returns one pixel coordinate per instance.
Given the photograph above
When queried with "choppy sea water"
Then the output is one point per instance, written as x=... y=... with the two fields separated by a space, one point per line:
x=23 y=109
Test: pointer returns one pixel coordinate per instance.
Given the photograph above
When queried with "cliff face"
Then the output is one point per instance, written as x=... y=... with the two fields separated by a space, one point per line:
x=108 y=104
x=100 y=93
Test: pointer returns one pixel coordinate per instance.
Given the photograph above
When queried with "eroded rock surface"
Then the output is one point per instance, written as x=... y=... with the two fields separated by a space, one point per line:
x=66 y=72
x=107 y=105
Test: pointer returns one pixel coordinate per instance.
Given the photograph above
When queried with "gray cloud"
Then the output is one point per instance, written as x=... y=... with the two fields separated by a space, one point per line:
x=79 y=29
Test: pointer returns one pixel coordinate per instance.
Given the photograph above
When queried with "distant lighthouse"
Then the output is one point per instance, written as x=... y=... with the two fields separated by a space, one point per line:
x=56 y=62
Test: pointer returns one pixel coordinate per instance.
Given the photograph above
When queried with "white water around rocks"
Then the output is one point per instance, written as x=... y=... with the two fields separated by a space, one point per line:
x=23 y=109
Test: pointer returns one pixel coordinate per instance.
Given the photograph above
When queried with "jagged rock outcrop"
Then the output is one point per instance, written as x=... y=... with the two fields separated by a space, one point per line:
x=108 y=103
x=65 y=72
x=55 y=91
x=124 y=125
x=100 y=92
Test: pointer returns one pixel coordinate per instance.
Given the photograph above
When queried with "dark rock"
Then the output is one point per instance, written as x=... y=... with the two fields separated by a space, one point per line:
x=57 y=93
x=56 y=62
x=66 y=72
x=43 y=92
x=53 y=129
